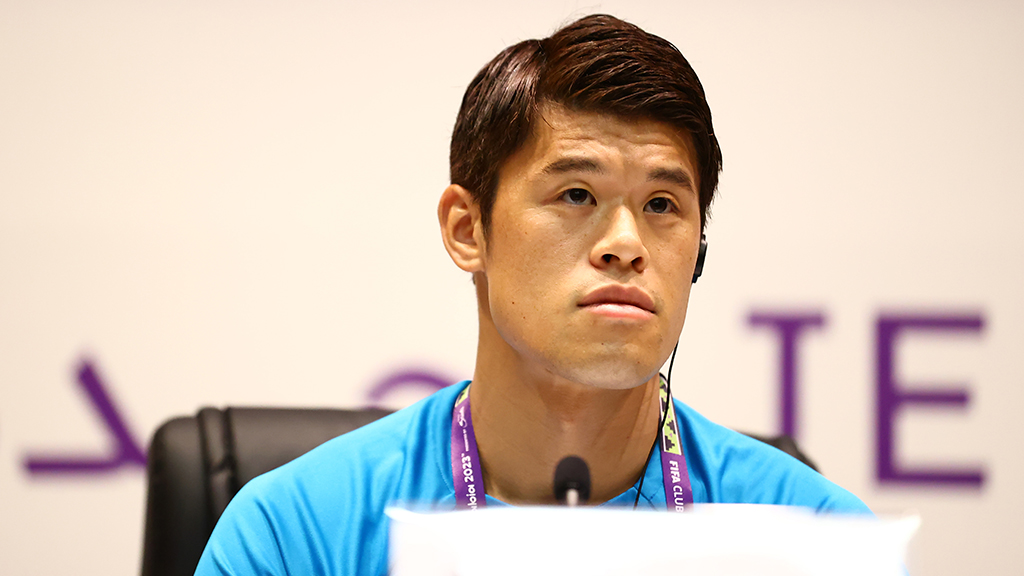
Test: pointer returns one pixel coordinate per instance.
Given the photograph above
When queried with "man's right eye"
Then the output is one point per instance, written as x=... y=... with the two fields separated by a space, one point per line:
x=577 y=196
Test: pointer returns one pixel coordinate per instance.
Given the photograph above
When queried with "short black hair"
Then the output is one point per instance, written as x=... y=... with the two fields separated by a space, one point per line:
x=598 y=63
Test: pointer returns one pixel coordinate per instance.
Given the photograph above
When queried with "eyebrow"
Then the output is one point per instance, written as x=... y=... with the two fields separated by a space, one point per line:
x=675 y=176
x=565 y=165
x=672 y=175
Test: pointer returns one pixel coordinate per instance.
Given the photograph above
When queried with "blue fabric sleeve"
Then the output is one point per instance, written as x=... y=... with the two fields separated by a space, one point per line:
x=323 y=513
x=243 y=542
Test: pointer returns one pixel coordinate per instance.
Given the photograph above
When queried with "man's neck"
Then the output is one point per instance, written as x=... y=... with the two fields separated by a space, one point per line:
x=527 y=420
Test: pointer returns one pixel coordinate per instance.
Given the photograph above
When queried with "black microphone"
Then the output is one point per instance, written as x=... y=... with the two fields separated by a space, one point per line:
x=572 y=481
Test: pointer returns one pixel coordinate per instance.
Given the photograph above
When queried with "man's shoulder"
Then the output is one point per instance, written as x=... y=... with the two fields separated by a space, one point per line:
x=733 y=467
x=333 y=497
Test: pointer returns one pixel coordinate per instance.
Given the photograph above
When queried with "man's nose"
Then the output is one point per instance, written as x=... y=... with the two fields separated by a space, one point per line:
x=620 y=245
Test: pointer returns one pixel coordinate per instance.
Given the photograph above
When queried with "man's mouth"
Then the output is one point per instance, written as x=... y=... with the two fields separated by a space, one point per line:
x=619 y=301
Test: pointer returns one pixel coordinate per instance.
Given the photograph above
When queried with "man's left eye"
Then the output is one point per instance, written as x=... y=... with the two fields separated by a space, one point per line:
x=660 y=206
x=577 y=196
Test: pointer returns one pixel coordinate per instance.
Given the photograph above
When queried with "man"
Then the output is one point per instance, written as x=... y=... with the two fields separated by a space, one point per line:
x=582 y=169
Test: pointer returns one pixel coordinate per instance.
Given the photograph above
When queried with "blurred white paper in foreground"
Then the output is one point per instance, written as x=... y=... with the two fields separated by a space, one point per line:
x=719 y=540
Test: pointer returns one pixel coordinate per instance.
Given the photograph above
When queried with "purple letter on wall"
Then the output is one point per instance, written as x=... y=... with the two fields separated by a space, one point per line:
x=423 y=379
x=891 y=397
x=125 y=450
x=789 y=326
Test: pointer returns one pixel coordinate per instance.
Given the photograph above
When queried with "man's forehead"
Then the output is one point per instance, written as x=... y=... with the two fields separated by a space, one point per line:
x=563 y=139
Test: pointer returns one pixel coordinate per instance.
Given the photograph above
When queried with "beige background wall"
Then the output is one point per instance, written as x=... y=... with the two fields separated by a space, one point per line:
x=233 y=203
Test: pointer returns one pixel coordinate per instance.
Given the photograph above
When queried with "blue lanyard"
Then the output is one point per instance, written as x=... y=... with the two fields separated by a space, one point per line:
x=467 y=472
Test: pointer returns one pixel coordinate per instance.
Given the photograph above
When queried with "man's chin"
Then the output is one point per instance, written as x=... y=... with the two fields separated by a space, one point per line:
x=610 y=374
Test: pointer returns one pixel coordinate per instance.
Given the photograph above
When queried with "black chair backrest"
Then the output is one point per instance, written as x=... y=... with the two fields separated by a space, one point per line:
x=198 y=463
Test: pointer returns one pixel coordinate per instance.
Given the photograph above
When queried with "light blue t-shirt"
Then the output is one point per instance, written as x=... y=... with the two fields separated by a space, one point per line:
x=323 y=513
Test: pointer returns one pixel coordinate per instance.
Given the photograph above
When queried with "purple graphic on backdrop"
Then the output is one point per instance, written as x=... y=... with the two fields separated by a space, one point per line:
x=892 y=397
x=126 y=450
x=420 y=379
x=789 y=326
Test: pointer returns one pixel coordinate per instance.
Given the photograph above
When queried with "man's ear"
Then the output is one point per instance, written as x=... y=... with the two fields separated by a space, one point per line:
x=461 y=228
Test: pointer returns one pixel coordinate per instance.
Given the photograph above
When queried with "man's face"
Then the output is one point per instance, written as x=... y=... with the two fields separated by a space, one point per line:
x=593 y=240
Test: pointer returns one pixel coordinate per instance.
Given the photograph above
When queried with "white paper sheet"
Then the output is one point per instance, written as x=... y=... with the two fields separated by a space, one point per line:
x=718 y=540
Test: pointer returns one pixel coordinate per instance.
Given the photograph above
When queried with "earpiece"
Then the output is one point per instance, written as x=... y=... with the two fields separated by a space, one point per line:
x=700 y=257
